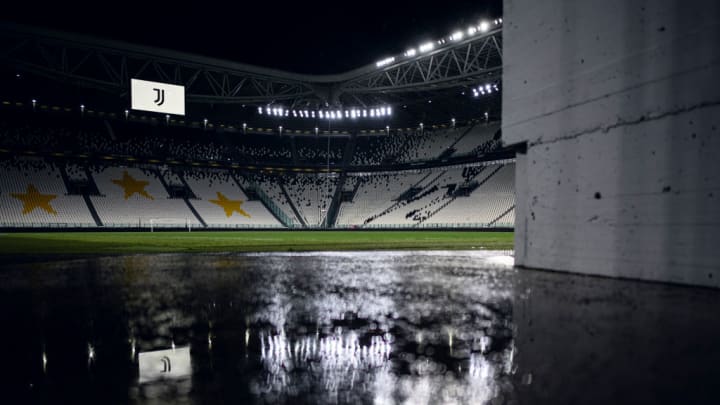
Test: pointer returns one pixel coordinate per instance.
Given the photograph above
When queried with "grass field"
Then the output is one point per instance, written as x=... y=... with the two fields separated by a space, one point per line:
x=83 y=243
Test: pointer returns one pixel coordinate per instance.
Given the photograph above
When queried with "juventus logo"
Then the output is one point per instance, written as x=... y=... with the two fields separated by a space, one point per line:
x=160 y=96
x=166 y=364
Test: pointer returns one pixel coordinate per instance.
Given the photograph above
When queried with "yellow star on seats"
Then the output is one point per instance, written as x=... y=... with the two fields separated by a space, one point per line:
x=33 y=199
x=132 y=186
x=229 y=206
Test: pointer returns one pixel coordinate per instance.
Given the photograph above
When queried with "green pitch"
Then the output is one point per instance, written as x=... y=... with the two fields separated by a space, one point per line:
x=82 y=243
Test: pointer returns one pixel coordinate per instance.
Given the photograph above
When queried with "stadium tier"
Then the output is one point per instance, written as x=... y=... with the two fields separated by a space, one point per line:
x=114 y=174
x=39 y=194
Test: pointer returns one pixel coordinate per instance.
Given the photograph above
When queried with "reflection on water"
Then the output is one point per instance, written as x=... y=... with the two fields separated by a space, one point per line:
x=366 y=327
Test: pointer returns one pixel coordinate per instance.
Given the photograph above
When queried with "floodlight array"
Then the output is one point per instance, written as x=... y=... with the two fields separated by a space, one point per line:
x=457 y=35
x=327 y=114
x=485 y=89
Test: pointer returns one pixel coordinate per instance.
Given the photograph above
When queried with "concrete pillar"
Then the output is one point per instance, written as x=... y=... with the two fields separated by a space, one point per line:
x=619 y=104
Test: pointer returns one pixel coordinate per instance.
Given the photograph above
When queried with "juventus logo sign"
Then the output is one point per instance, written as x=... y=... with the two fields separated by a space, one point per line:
x=159 y=96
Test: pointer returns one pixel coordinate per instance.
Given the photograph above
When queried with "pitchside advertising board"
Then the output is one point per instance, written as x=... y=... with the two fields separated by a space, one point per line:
x=157 y=97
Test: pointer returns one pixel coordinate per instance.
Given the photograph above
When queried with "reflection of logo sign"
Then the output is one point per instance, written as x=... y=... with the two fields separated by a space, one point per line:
x=160 y=96
x=171 y=364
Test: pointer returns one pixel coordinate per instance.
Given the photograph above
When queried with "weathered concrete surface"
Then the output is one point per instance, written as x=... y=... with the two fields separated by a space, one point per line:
x=619 y=103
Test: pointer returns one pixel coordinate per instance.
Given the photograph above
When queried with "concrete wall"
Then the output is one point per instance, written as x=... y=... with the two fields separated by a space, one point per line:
x=619 y=104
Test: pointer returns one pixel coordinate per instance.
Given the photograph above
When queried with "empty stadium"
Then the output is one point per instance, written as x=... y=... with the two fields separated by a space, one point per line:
x=503 y=202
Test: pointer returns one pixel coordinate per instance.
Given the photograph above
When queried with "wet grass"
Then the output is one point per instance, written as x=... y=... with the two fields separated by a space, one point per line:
x=92 y=243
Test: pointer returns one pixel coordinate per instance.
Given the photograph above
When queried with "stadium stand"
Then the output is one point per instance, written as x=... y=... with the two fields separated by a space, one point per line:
x=311 y=196
x=220 y=201
x=468 y=196
x=180 y=177
x=476 y=139
x=133 y=197
x=491 y=202
x=32 y=194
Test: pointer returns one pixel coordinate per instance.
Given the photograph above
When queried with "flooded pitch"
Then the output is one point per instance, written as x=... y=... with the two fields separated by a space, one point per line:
x=356 y=327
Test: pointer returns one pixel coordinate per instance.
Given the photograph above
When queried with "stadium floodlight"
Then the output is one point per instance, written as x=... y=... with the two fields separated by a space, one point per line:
x=364 y=113
x=472 y=31
x=500 y=20
x=385 y=61
x=389 y=110
x=287 y=112
x=320 y=113
x=294 y=113
x=382 y=111
x=260 y=110
x=484 y=26
x=456 y=36
x=339 y=114
x=313 y=113
x=372 y=112
x=410 y=52
x=427 y=46
x=347 y=114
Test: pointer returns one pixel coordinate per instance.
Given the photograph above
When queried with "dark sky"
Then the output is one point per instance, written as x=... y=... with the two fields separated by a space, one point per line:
x=305 y=37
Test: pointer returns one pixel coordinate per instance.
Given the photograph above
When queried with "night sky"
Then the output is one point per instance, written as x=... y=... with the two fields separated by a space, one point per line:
x=304 y=37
